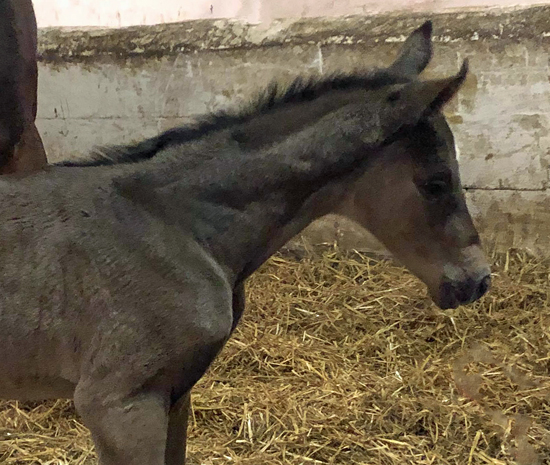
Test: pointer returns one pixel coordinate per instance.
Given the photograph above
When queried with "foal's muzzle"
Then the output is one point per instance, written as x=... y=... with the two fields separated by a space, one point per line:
x=452 y=294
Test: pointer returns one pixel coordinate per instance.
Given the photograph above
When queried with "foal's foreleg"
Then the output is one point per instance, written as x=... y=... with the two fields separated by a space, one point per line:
x=127 y=430
x=177 y=431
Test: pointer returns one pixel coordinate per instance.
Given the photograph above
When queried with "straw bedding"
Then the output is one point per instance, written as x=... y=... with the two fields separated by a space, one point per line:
x=342 y=359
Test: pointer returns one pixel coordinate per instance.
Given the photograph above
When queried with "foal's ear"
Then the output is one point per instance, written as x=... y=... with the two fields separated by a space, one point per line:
x=435 y=94
x=416 y=52
x=422 y=98
x=406 y=105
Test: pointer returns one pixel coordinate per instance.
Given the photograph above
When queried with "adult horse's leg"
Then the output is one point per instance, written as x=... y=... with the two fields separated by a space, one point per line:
x=29 y=154
x=177 y=431
x=21 y=148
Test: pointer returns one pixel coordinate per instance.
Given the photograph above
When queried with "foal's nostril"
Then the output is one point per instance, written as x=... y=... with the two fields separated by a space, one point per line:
x=483 y=286
x=453 y=294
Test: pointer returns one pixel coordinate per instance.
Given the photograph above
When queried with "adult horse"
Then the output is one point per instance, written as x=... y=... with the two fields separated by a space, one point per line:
x=123 y=277
x=21 y=148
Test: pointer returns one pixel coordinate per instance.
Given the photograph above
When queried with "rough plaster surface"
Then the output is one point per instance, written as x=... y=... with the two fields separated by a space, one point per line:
x=117 y=86
x=118 y=13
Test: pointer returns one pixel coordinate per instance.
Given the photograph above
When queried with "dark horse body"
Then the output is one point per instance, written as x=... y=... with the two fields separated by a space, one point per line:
x=123 y=278
x=21 y=148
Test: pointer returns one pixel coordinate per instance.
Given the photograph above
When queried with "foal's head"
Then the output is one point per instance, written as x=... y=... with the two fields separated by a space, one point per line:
x=411 y=196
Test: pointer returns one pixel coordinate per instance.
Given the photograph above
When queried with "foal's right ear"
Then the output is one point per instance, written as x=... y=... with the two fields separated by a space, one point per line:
x=406 y=104
x=416 y=52
x=435 y=94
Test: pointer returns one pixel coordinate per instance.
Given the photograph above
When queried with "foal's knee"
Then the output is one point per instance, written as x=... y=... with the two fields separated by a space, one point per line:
x=128 y=430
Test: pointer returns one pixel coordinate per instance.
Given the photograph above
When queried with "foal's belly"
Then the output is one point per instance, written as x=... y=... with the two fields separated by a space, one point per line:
x=30 y=388
x=36 y=368
x=24 y=375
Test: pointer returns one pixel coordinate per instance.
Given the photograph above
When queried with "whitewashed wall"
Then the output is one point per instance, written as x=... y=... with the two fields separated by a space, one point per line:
x=120 y=13
x=120 y=85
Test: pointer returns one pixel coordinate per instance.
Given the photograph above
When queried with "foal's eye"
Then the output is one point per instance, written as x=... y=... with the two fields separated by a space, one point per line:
x=434 y=190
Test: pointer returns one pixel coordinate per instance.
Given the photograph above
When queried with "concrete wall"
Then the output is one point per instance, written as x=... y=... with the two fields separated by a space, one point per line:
x=117 y=86
x=120 y=13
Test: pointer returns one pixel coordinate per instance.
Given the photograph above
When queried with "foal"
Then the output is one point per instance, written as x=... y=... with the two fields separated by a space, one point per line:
x=122 y=278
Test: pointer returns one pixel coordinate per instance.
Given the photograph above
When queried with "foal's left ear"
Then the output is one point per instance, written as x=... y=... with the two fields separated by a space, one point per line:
x=416 y=52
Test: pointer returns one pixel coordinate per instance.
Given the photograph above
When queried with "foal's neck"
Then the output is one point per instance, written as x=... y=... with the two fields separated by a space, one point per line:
x=245 y=191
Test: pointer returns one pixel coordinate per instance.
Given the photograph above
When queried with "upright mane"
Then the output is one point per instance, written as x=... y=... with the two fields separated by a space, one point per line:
x=300 y=90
